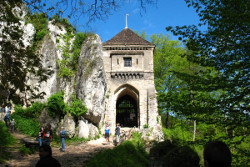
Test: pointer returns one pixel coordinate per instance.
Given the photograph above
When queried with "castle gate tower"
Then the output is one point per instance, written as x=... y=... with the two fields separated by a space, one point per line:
x=131 y=96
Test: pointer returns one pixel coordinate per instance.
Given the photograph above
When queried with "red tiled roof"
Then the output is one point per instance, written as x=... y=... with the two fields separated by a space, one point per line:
x=127 y=37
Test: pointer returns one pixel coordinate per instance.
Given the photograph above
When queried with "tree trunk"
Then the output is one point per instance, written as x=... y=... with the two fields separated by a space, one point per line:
x=194 y=130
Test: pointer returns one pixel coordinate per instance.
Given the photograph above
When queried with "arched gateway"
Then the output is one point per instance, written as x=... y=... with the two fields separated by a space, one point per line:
x=126 y=111
x=131 y=96
x=127 y=106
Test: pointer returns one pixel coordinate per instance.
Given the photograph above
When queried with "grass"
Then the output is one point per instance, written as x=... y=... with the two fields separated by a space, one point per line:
x=125 y=155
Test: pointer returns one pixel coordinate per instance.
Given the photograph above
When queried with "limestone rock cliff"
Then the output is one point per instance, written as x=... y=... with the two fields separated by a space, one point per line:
x=90 y=79
x=88 y=84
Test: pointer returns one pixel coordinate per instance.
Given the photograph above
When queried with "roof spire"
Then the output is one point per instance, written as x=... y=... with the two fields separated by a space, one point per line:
x=127 y=21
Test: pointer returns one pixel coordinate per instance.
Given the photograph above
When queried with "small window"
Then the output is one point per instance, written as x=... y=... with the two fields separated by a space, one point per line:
x=137 y=61
x=127 y=62
x=117 y=61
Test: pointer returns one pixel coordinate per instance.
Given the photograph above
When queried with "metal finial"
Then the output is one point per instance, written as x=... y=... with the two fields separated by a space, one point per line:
x=127 y=20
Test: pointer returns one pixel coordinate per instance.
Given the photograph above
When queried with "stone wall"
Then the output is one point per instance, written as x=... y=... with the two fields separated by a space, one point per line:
x=137 y=81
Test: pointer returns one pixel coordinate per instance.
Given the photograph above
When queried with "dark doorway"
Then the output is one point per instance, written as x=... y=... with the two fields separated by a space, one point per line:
x=126 y=111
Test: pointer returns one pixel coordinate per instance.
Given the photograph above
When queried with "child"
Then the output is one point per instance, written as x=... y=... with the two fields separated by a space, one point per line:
x=117 y=133
x=12 y=125
x=107 y=132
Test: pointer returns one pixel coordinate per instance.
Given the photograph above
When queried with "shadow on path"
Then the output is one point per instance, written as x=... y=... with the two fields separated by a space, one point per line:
x=75 y=155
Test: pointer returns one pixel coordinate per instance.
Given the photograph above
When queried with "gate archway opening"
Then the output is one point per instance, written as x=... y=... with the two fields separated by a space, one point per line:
x=127 y=111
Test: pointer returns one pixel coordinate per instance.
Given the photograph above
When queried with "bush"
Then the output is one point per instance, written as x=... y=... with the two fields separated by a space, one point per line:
x=40 y=34
x=30 y=112
x=55 y=105
x=138 y=141
x=28 y=126
x=178 y=133
x=124 y=155
x=77 y=107
x=40 y=22
x=56 y=19
x=6 y=139
x=65 y=72
x=68 y=63
x=26 y=119
x=77 y=44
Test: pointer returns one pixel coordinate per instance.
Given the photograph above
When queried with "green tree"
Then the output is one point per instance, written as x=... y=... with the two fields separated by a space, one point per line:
x=167 y=57
x=224 y=46
x=175 y=76
x=222 y=93
x=17 y=61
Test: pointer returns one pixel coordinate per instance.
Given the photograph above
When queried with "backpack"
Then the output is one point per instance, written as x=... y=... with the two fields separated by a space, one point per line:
x=63 y=135
x=47 y=134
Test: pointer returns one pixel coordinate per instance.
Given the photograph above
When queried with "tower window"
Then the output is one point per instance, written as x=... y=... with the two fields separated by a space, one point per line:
x=127 y=62
x=117 y=61
x=137 y=61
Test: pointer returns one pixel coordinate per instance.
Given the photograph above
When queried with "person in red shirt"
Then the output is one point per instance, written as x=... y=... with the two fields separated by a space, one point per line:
x=47 y=135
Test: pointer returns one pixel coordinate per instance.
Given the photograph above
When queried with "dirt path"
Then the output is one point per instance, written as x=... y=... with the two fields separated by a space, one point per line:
x=74 y=156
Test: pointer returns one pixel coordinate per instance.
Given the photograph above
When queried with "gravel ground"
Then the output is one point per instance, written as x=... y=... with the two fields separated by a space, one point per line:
x=74 y=155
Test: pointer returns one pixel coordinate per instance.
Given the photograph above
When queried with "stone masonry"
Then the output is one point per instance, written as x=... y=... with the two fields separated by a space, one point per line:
x=128 y=64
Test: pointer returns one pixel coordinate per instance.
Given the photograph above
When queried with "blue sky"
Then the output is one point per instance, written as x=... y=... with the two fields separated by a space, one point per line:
x=154 y=20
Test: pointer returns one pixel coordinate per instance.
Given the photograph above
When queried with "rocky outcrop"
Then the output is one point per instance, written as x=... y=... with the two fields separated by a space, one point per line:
x=49 y=56
x=89 y=84
x=49 y=49
x=83 y=129
x=69 y=125
x=90 y=79
x=45 y=120
x=86 y=129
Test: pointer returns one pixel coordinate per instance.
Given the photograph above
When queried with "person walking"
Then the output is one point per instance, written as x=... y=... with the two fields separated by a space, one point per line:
x=7 y=119
x=8 y=108
x=40 y=136
x=117 y=133
x=62 y=135
x=47 y=135
x=12 y=125
x=107 y=132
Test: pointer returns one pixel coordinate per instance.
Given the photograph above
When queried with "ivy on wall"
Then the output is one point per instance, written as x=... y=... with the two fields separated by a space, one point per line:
x=40 y=22
x=70 y=51
x=68 y=64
